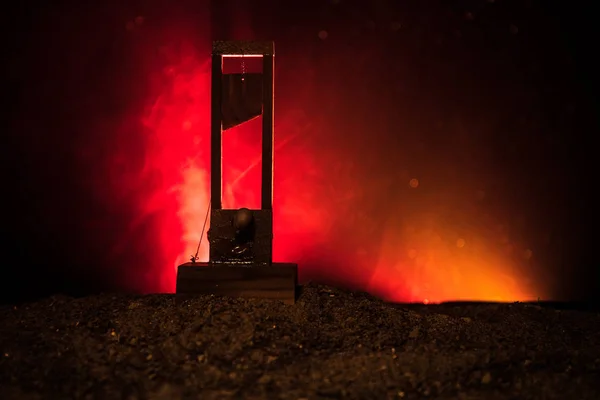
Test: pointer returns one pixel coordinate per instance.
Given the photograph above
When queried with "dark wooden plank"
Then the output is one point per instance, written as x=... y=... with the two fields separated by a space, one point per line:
x=245 y=47
x=267 y=133
x=276 y=282
x=216 y=130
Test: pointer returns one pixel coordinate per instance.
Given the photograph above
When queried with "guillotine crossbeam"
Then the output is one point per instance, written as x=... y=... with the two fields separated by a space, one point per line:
x=240 y=48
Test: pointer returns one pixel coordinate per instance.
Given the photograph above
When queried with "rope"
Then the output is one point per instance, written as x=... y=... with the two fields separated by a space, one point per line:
x=195 y=256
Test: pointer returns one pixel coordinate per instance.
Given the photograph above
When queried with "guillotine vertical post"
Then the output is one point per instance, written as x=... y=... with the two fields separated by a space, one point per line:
x=267 y=132
x=216 y=133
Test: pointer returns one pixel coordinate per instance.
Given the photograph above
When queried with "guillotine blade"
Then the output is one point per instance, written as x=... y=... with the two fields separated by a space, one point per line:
x=242 y=98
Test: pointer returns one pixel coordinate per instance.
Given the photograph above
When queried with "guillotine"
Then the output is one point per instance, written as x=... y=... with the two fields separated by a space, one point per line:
x=240 y=240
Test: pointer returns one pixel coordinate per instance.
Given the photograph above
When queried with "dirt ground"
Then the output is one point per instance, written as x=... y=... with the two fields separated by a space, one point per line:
x=330 y=344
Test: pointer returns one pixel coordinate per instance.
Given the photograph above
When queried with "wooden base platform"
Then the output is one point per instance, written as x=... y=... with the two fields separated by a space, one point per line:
x=276 y=282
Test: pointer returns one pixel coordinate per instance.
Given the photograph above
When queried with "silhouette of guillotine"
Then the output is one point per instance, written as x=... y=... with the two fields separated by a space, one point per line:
x=240 y=240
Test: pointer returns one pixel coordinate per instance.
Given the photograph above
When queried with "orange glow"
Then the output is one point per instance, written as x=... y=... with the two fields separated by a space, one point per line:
x=438 y=268
x=319 y=222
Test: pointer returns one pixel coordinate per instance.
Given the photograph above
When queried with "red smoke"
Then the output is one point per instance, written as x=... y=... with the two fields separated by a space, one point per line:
x=320 y=221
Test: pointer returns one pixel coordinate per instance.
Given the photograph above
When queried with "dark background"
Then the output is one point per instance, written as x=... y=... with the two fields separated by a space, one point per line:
x=521 y=75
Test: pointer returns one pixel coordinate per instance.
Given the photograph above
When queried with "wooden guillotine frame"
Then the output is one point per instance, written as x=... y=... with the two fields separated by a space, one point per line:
x=234 y=268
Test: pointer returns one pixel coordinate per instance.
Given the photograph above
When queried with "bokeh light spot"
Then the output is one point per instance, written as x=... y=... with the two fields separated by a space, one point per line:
x=460 y=243
x=413 y=183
